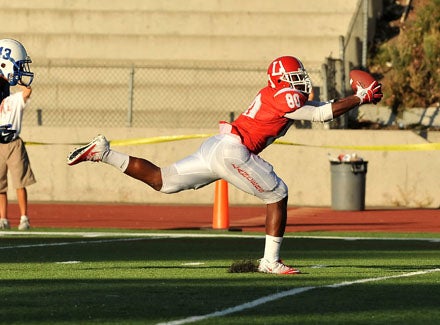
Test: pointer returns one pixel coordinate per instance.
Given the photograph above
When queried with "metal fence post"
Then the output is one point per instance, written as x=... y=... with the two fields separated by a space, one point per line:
x=365 y=34
x=342 y=55
x=39 y=116
x=130 y=97
x=325 y=83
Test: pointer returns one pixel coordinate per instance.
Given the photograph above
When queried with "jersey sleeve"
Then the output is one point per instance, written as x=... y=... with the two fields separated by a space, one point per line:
x=313 y=111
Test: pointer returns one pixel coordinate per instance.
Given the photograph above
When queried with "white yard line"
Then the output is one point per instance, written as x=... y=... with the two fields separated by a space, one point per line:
x=132 y=236
x=288 y=293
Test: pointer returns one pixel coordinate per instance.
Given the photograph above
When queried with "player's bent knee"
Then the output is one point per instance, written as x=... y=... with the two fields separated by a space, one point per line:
x=278 y=193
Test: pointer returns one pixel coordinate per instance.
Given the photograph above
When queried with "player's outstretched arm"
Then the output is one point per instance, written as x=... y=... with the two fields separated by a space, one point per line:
x=371 y=94
x=343 y=105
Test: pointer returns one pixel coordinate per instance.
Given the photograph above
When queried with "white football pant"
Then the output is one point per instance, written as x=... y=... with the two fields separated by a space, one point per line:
x=224 y=156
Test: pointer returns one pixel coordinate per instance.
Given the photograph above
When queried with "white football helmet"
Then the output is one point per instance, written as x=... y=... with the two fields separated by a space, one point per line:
x=14 y=63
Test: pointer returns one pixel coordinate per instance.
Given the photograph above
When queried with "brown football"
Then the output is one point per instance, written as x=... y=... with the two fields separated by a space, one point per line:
x=363 y=77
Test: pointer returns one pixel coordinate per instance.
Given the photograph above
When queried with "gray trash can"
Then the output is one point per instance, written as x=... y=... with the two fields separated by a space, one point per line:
x=348 y=185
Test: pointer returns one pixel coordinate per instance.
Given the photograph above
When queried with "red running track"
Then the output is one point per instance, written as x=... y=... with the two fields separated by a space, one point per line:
x=244 y=218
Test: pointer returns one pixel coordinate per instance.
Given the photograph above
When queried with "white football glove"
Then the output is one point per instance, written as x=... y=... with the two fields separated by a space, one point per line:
x=371 y=94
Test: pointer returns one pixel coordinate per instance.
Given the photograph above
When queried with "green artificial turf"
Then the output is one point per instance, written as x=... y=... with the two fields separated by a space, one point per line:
x=147 y=280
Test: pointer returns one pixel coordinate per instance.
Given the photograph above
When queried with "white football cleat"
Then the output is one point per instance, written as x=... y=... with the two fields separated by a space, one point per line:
x=277 y=267
x=94 y=151
x=24 y=223
x=4 y=224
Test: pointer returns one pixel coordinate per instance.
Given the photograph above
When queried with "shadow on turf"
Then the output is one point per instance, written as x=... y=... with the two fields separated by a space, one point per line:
x=154 y=267
x=352 y=226
x=126 y=301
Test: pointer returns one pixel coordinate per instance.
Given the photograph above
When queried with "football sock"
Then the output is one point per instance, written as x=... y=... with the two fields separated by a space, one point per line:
x=116 y=159
x=272 y=248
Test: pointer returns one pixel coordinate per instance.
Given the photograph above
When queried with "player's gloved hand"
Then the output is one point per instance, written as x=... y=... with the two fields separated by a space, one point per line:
x=6 y=134
x=371 y=94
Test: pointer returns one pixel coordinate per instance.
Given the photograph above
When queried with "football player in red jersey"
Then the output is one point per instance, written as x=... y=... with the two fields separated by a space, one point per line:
x=232 y=155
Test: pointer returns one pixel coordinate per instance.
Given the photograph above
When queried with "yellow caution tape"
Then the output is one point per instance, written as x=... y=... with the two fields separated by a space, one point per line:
x=34 y=143
x=132 y=142
x=394 y=147
x=161 y=139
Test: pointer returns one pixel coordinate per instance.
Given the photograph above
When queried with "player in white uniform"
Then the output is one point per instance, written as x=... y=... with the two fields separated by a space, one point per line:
x=232 y=155
x=14 y=71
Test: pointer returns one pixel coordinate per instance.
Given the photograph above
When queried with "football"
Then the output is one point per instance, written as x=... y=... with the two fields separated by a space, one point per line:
x=363 y=77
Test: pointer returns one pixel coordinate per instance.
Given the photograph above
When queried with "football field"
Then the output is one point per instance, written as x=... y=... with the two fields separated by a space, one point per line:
x=182 y=277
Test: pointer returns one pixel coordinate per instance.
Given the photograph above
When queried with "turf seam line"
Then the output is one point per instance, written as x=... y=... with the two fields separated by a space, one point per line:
x=287 y=293
x=187 y=235
x=72 y=243
x=124 y=234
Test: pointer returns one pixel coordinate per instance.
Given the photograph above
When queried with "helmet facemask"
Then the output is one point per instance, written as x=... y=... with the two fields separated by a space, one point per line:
x=22 y=73
x=298 y=80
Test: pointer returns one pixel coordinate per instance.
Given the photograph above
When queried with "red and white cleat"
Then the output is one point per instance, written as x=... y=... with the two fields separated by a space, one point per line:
x=93 y=151
x=277 y=267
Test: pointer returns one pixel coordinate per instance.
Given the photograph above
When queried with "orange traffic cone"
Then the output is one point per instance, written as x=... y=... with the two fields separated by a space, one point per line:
x=220 y=218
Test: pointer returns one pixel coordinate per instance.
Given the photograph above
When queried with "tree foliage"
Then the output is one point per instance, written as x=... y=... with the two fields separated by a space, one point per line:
x=410 y=63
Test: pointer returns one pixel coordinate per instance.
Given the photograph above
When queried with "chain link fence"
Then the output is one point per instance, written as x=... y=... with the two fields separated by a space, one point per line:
x=143 y=96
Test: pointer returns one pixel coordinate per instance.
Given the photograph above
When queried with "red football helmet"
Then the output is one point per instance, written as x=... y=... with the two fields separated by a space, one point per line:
x=288 y=71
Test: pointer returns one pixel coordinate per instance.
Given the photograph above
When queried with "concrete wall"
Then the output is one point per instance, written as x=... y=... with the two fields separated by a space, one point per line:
x=407 y=178
x=188 y=33
x=426 y=117
x=145 y=31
